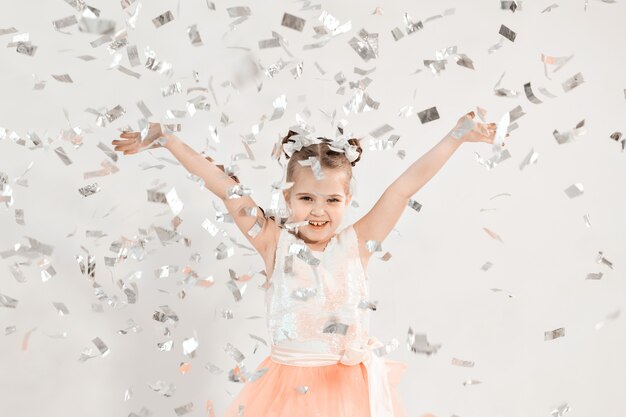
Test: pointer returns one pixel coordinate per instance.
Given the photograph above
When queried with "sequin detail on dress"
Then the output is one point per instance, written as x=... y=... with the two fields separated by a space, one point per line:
x=314 y=297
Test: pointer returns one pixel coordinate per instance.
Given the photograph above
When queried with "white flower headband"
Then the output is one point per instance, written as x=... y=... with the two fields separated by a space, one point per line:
x=341 y=144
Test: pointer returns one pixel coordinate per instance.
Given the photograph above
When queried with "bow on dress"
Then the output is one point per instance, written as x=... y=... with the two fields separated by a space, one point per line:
x=377 y=378
x=378 y=369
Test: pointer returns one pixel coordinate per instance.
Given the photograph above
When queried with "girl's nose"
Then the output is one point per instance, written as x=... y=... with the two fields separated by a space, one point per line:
x=316 y=211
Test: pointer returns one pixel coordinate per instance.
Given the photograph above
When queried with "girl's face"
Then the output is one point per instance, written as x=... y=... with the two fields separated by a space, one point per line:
x=322 y=200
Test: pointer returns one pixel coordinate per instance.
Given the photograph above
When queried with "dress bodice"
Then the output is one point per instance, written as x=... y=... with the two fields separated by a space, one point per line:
x=318 y=300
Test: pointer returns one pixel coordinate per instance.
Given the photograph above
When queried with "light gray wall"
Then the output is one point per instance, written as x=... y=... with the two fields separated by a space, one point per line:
x=433 y=283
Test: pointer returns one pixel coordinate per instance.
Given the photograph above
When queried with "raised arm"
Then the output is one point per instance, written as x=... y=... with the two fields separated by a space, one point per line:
x=263 y=237
x=218 y=182
x=380 y=220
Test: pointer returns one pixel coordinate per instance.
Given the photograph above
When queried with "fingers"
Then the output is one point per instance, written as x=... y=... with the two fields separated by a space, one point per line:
x=126 y=145
x=124 y=142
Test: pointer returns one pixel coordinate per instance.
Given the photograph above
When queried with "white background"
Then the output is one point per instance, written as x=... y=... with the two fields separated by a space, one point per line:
x=433 y=282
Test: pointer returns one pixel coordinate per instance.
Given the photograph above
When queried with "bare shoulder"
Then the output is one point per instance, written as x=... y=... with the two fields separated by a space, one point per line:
x=364 y=253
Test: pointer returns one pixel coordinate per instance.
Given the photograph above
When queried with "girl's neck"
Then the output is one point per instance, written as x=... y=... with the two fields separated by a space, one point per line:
x=310 y=243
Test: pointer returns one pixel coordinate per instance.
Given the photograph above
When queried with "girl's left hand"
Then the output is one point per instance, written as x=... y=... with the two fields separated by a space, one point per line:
x=467 y=130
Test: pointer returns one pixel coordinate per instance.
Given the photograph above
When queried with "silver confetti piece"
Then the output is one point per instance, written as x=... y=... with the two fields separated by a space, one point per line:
x=373 y=246
x=189 y=347
x=612 y=316
x=530 y=95
x=466 y=126
x=503 y=91
x=64 y=22
x=7 y=31
x=130 y=290
x=360 y=102
x=302 y=389
x=336 y=328
x=165 y=346
x=411 y=26
x=460 y=362
x=471 y=382
x=116 y=45
x=574 y=190
x=64 y=78
x=406 y=111
x=132 y=326
x=436 y=66
x=293 y=22
x=315 y=165
x=96 y=25
x=60 y=152
x=269 y=43
x=237 y=191
x=601 y=259
x=507 y=33
x=397 y=33
x=128 y=394
x=171 y=89
x=550 y=7
x=61 y=309
x=167 y=315
x=414 y=205
x=234 y=353
x=125 y=3
x=89 y=189
x=184 y=409
x=386 y=257
x=560 y=410
x=239 y=11
x=365 y=304
x=210 y=227
x=304 y=294
x=418 y=343
x=554 y=334
x=194 y=35
x=153 y=64
x=163 y=388
x=511 y=5
x=26 y=48
x=572 y=82
x=126 y=71
x=19 y=216
x=222 y=252
x=531 y=158
x=115 y=113
x=102 y=348
x=162 y=19
x=133 y=55
x=367 y=48
x=378 y=132
x=8 y=302
x=593 y=276
x=464 y=61
x=256 y=227
x=571 y=135
x=428 y=115
x=288 y=265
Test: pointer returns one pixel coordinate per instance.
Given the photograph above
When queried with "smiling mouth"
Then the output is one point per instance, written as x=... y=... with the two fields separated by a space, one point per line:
x=317 y=225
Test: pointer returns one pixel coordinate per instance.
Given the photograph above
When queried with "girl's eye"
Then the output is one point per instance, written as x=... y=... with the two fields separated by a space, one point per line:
x=304 y=198
x=333 y=200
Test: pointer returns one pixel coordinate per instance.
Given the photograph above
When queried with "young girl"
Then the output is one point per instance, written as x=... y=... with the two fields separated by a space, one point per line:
x=323 y=361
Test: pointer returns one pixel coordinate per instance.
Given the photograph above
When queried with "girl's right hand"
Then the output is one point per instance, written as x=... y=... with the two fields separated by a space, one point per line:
x=132 y=143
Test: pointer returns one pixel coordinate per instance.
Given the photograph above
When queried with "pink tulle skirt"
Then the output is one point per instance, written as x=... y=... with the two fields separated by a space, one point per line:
x=333 y=391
